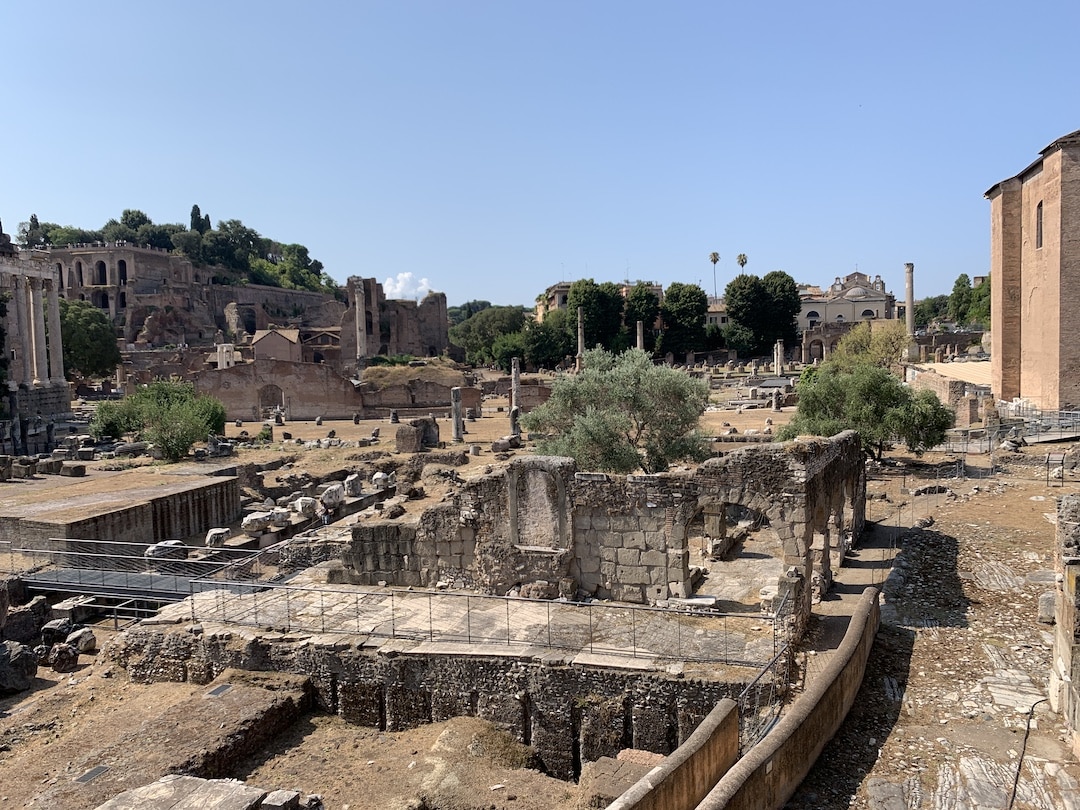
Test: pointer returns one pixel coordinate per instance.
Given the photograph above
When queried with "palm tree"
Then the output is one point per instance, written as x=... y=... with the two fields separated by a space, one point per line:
x=714 y=258
x=741 y=261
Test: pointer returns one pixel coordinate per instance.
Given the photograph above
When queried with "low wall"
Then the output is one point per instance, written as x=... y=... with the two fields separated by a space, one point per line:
x=685 y=777
x=767 y=776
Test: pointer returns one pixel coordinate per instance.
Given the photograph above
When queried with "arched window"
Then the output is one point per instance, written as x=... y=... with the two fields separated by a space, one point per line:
x=100 y=274
x=839 y=318
x=1038 y=225
x=78 y=273
x=121 y=268
x=813 y=315
x=60 y=274
x=869 y=313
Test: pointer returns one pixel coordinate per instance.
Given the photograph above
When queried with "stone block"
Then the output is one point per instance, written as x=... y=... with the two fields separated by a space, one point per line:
x=281 y=800
x=633 y=540
x=655 y=540
x=628 y=557
x=624 y=592
x=654 y=559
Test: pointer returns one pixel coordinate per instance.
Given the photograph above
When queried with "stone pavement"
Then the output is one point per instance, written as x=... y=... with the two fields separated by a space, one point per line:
x=953 y=713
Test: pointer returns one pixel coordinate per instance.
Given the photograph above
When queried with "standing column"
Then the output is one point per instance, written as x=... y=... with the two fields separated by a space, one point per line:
x=37 y=307
x=515 y=382
x=580 y=338
x=641 y=335
x=23 y=324
x=909 y=309
x=455 y=415
x=56 y=343
x=778 y=358
x=360 y=302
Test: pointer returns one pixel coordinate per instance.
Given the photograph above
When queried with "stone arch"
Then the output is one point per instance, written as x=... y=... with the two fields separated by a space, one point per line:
x=100 y=300
x=79 y=273
x=817 y=350
x=121 y=269
x=270 y=397
x=869 y=313
x=121 y=300
x=101 y=273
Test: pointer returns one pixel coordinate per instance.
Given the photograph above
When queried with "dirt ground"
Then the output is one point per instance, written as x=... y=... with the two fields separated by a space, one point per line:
x=964 y=607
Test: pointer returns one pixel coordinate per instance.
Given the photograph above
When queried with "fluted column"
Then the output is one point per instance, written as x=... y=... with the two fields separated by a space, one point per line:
x=37 y=307
x=23 y=326
x=56 y=343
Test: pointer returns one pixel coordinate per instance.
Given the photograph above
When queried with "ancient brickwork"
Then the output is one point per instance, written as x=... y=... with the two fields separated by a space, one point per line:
x=1035 y=277
x=951 y=392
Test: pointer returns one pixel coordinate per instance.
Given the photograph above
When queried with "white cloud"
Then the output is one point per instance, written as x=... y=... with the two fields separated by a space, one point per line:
x=403 y=286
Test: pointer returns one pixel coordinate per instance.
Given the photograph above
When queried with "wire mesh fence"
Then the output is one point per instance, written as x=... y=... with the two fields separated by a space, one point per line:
x=595 y=627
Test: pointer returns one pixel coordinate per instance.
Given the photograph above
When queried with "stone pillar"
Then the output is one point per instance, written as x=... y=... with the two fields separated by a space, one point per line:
x=455 y=415
x=56 y=345
x=909 y=311
x=580 y=338
x=641 y=335
x=515 y=383
x=24 y=325
x=360 y=305
x=37 y=308
x=778 y=358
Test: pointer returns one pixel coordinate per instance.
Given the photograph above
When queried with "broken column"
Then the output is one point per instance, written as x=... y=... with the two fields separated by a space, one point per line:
x=455 y=413
x=641 y=335
x=778 y=357
x=580 y=338
x=515 y=382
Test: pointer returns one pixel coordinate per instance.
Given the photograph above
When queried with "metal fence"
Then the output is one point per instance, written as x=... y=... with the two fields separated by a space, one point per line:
x=595 y=627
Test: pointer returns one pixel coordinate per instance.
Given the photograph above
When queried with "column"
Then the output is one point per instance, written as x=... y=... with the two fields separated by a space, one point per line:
x=455 y=415
x=641 y=335
x=37 y=307
x=909 y=298
x=23 y=324
x=360 y=304
x=515 y=382
x=56 y=343
x=580 y=338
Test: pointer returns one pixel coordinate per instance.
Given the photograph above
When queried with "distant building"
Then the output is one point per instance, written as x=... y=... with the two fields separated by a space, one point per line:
x=557 y=296
x=1035 y=271
x=849 y=300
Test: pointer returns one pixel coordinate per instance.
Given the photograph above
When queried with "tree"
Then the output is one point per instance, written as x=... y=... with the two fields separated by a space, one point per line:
x=133 y=218
x=960 y=299
x=880 y=344
x=765 y=307
x=714 y=258
x=89 y=340
x=741 y=261
x=642 y=304
x=871 y=401
x=477 y=335
x=31 y=234
x=602 y=309
x=621 y=414
x=683 y=312
x=979 y=310
x=930 y=309
x=784 y=305
x=168 y=414
x=548 y=344
x=199 y=223
x=462 y=313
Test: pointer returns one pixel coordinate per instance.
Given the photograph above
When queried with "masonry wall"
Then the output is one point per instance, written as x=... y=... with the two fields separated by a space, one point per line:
x=767 y=776
x=951 y=392
x=1064 y=688
x=1006 y=289
x=570 y=714
x=311 y=390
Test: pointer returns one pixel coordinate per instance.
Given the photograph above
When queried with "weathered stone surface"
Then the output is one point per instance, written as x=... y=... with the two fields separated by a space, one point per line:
x=24 y=622
x=63 y=658
x=82 y=640
x=18 y=667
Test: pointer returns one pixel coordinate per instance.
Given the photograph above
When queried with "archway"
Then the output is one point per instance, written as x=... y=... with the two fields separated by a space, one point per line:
x=101 y=274
x=121 y=269
x=271 y=397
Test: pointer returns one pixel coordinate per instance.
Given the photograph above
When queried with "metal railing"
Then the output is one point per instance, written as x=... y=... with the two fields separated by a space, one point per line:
x=594 y=627
x=124 y=569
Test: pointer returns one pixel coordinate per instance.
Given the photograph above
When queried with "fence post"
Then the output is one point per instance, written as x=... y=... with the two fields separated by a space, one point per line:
x=430 y=627
x=393 y=624
x=506 y=601
x=633 y=630
x=590 y=629
x=548 y=604
x=468 y=618
x=322 y=612
x=288 y=613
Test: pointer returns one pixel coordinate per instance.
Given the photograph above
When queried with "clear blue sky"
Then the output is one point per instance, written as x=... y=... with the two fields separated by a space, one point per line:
x=490 y=149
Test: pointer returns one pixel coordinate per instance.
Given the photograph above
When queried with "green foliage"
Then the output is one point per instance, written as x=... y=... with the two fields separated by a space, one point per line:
x=622 y=413
x=602 y=310
x=766 y=307
x=979 y=310
x=642 y=304
x=549 y=343
x=168 y=414
x=931 y=309
x=960 y=299
x=506 y=348
x=90 y=348
x=683 y=311
x=880 y=344
x=390 y=360
x=869 y=400
x=462 y=313
x=477 y=335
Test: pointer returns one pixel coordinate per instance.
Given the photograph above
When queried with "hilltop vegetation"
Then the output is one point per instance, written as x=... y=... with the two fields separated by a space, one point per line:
x=243 y=255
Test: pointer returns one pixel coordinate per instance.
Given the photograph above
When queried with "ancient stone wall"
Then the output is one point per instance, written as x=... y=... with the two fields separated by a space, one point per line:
x=304 y=390
x=951 y=392
x=542 y=528
x=1064 y=689
x=570 y=714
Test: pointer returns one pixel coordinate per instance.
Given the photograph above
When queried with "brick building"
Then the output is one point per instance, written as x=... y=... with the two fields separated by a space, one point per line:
x=1035 y=271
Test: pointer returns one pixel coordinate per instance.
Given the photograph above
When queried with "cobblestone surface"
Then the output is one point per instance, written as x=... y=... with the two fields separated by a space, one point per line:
x=953 y=712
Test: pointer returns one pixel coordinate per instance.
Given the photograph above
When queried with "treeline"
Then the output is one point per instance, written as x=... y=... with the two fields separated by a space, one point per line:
x=964 y=306
x=247 y=256
x=759 y=312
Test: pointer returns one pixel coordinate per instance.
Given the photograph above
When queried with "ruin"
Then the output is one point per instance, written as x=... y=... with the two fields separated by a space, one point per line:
x=540 y=525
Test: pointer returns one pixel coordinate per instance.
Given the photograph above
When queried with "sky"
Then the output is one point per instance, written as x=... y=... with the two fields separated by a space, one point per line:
x=488 y=150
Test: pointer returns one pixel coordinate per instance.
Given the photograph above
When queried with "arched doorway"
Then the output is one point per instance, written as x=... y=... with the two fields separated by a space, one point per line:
x=271 y=398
